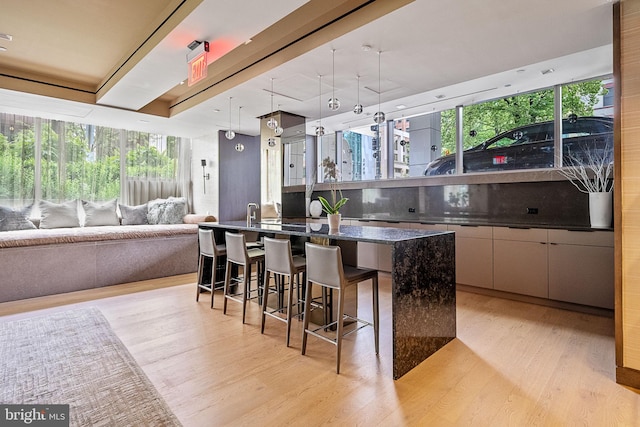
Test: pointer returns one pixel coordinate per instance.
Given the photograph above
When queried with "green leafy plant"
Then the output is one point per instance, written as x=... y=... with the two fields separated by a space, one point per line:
x=331 y=176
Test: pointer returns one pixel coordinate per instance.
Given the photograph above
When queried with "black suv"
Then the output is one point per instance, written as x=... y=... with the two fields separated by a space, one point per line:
x=531 y=146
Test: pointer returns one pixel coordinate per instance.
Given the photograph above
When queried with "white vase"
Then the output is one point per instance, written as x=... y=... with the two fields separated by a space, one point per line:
x=334 y=221
x=315 y=208
x=600 y=209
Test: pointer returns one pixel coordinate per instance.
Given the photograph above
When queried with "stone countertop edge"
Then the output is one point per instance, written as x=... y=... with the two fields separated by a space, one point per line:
x=385 y=235
x=471 y=223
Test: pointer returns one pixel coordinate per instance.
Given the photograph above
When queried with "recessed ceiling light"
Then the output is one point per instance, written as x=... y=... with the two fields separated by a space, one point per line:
x=401 y=106
x=7 y=37
x=366 y=47
x=216 y=110
x=547 y=71
x=507 y=85
x=521 y=70
x=441 y=96
x=143 y=121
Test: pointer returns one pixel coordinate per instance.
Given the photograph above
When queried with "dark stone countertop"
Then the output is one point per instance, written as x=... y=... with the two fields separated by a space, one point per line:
x=372 y=234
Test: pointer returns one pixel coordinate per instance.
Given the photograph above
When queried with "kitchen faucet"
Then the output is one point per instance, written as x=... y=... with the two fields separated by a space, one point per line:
x=251 y=214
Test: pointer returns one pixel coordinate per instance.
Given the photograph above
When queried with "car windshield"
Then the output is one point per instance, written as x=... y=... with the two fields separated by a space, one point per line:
x=524 y=135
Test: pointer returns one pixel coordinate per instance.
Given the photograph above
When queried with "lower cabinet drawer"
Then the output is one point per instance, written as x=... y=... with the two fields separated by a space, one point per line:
x=521 y=267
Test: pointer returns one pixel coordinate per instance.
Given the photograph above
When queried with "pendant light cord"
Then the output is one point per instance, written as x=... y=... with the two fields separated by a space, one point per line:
x=379 y=86
x=333 y=75
x=320 y=100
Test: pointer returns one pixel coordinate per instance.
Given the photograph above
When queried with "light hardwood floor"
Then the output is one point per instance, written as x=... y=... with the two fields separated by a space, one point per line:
x=512 y=364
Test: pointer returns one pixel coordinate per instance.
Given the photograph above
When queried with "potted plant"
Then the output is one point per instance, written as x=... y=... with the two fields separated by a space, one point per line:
x=332 y=208
x=592 y=173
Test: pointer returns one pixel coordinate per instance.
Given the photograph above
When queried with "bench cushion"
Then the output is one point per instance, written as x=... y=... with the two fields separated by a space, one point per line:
x=22 y=238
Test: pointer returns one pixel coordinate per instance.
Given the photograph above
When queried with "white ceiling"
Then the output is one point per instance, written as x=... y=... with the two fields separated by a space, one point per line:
x=465 y=50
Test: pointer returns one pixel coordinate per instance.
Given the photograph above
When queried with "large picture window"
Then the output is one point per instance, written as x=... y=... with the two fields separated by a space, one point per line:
x=43 y=159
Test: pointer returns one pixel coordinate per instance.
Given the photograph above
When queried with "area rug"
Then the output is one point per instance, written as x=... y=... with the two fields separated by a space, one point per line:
x=75 y=358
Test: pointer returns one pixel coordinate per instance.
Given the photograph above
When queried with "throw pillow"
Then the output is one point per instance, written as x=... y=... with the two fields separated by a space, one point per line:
x=134 y=215
x=97 y=214
x=54 y=215
x=167 y=211
x=15 y=219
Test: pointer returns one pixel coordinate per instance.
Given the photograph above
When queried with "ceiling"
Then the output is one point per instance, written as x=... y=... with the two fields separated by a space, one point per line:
x=120 y=63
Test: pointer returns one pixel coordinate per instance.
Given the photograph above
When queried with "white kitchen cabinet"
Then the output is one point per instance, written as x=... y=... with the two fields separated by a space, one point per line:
x=474 y=255
x=520 y=261
x=374 y=255
x=581 y=267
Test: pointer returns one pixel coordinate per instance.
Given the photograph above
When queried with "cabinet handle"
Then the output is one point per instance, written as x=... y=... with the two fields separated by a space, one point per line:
x=543 y=243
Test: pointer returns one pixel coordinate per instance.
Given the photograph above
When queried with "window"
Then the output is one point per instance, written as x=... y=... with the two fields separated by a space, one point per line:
x=79 y=161
x=17 y=160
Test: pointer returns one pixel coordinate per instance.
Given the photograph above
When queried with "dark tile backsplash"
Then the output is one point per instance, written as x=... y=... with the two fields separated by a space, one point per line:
x=557 y=203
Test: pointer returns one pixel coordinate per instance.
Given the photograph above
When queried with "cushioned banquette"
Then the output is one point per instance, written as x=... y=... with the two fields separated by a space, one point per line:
x=38 y=262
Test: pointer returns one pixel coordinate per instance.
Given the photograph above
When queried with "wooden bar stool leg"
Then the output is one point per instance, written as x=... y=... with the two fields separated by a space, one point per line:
x=214 y=262
x=264 y=299
x=247 y=290
x=200 y=274
x=305 y=323
x=339 y=328
x=376 y=313
x=292 y=280
x=227 y=285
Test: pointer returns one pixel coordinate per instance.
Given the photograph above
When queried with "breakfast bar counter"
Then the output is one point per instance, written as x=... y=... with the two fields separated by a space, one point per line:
x=422 y=279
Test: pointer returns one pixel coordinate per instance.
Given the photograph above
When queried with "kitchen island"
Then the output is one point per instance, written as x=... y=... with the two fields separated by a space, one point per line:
x=422 y=279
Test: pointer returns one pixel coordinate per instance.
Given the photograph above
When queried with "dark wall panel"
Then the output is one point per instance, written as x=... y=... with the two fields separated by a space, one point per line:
x=239 y=176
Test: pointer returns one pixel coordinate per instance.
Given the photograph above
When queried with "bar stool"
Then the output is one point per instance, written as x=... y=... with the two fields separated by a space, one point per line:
x=238 y=254
x=325 y=268
x=209 y=249
x=280 y=262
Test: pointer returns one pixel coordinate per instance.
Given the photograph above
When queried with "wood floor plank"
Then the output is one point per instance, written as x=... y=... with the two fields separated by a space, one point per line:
x=512 y=363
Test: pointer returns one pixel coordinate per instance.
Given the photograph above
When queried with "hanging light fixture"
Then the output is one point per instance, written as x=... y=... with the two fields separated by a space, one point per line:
x=320 y=129
x=403 y=141
x=334 y=103
x=358 y=109
x=379 y=116
x=239 y=145
x=272 y=123
x=230 y=134
x=278 y=130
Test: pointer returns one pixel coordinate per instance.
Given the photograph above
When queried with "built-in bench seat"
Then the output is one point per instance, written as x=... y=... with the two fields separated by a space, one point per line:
x=42 y=262
x=54 y=236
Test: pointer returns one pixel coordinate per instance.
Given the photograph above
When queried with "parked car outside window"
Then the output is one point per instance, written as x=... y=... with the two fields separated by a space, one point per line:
x=532 y=147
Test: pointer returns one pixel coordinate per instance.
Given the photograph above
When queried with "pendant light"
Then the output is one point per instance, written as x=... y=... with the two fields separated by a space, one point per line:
x=230 y=134
x=239 y=145
x=334 y=103
x=379 y=116
x=320 y=129
x=403 y=141
x=358 y=109
x=272 y=123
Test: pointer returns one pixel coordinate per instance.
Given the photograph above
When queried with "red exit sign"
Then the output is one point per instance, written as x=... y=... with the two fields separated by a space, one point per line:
x=197 y=62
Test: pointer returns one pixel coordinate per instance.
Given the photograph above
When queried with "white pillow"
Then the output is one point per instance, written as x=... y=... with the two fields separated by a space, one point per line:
x=54 y=215
x=134 y=215
x=97 y=214
x=167 y=211
x=15 y=219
